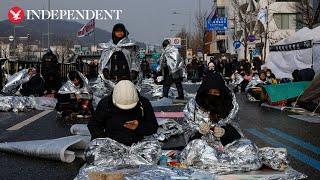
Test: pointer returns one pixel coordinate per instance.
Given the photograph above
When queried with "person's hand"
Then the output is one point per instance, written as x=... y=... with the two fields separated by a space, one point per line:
x=204 y=128
x=218 y=132
x=78 y=97
x=131 y=124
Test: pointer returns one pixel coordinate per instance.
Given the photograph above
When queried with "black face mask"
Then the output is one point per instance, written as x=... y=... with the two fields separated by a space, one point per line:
x=212 y=103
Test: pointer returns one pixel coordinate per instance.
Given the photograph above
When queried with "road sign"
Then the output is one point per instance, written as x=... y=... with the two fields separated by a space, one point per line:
x=175 y=41
x=217 y=24
x=156 y=55
x=256 y=53
x=142 y=55
x=236 y=44
x=251 y=38
x=11 y=38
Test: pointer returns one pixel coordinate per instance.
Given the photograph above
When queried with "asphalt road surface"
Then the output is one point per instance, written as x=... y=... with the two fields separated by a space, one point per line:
x=264 y=126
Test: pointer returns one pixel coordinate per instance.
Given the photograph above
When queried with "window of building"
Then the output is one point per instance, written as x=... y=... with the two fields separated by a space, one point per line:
x=285 y=20
x=221 y=11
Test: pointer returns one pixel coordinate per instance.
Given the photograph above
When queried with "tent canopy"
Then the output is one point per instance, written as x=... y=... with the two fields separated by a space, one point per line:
x=283 y=62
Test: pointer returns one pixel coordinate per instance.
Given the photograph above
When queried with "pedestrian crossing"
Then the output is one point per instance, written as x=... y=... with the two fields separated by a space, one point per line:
x=300 y=156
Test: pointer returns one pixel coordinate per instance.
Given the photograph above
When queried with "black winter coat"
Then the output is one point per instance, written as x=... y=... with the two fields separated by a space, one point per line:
x=108 y=121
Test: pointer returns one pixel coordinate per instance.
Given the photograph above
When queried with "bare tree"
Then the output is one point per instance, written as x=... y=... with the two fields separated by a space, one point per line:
x=199 y=36
x=185 y=37
x=63 y=51
x=309 y=14
x=245 y=15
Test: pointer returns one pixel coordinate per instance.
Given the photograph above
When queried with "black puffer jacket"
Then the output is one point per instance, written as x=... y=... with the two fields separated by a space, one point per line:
x=108 y=121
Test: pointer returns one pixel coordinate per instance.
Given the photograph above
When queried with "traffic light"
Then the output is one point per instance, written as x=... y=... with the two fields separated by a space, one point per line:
x=28 y=36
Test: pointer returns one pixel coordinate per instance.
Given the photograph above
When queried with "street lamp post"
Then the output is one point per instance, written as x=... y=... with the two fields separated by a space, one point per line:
x=14 y=36
x=185 y=39
x=185 y=14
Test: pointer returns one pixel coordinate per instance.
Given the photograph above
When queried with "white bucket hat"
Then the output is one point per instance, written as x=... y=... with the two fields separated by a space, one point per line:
x=125 y=95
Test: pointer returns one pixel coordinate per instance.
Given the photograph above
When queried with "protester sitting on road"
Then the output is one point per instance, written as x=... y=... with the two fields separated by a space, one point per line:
x=211 y=117
x=215 y=100
x=124 y=116
x=254 y=88
x=35 y=86
x=271 y=78
x=303 y=75
x=74 y=96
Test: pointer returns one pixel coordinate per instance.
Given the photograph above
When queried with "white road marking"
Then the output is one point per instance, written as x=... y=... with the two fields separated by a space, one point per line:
x=28 y=121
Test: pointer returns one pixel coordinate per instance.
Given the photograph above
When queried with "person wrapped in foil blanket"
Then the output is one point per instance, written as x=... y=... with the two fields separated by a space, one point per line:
x=119 y=59
x=15 y=81
x=75 y=85
x=216 y=142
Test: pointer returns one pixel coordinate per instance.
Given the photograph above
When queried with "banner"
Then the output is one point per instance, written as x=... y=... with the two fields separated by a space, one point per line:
x=293 y=46
x=87 y=29
x=262 y=16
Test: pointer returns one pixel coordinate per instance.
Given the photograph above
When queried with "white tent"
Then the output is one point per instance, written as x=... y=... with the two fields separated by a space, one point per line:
x=294 y=52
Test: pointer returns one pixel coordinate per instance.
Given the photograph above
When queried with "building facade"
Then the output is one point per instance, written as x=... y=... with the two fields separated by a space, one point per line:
x=280 y=23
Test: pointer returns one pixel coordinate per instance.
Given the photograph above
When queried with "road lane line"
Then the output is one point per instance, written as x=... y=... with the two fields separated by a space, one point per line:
x=295 y=140
x=293 y=152
x=28 y=121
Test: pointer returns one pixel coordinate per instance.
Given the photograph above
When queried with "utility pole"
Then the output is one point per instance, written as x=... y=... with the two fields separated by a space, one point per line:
x=266 y=34
x=48 y=26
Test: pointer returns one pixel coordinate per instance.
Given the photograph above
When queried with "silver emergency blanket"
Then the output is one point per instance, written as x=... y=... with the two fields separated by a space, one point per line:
x=208 y=152
x=168 y=128
x=196 y=118
x=173 y=92
x=171 y=58
x=70 y=88
x=253 y=83
x=143 y=172
x=62 y=149
x=15 y=81
x=236 y=79
x=108 y=152
x=162 y=102
x=16 y=103
x=275 y=158
x=45 y=103
x=23 y=103
x=126 y=46
x=100 y=90
x=147 y=82
x=238 y=156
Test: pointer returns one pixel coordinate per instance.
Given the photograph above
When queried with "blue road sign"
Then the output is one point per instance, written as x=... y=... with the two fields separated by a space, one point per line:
x=236 y=44
x=217 y=24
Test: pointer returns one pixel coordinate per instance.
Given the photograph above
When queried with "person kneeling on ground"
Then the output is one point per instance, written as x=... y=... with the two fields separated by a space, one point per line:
x=75 y=96
x=214 y=99
x=124 y=116
x=214 y=134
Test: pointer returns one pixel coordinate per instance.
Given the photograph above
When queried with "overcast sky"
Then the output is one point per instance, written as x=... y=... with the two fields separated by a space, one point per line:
x=146 y=20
